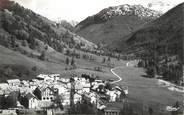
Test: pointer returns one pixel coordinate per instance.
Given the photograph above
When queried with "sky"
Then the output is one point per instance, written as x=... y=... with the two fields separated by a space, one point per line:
x=78 y=10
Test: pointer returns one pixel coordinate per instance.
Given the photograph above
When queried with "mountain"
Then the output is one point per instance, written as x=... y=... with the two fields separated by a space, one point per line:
x=164 y=31
x=162 y=41
x=19 y=24
x=113 y=23
x=31 y=44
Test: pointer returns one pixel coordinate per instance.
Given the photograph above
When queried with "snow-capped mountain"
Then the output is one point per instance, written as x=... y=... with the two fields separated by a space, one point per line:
x=122 y=10
x=112 y=24
x=126 y=9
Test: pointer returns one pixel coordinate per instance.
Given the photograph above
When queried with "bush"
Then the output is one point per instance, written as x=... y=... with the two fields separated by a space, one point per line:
x=43 y=56
x=67 y=61
x=103 y=60
x=34 y=68
x=24 y=43
x=73 y=63
x=21 y=34
x=98 y=69
x=150 y=72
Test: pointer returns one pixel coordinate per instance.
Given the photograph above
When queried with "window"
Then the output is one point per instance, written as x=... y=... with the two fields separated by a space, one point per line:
x=47 y=98
x=44 y=98
x=50 y=98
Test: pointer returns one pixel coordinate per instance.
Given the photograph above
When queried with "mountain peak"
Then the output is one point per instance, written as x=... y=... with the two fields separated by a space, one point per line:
x=126 y=9
x=121 y=10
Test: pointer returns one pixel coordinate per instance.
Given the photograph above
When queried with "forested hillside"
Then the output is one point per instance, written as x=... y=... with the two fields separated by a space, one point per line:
x=160 y=44
x=31 y=44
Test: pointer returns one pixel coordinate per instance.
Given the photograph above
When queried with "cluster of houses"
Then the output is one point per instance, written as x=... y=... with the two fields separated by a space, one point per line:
x=44 y=90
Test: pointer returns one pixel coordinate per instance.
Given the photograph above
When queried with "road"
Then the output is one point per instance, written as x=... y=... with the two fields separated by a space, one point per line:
x=116 y=75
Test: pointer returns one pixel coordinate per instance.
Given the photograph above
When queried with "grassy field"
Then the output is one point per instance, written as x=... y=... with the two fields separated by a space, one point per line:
x=54 y=64
x=147 y=92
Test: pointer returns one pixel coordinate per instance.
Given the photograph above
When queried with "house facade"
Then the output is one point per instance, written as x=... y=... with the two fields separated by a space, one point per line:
x=112 y=111
x=45 y=93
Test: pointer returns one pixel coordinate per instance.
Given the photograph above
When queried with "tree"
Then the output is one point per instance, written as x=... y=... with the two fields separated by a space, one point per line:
x=34 y=68
x=109 y=59
x=100 y=87
x=150 y=110
x=73 y=61
x=32 y=42
x=58 y=101
x=67 y=61
x=11 y=100
x=8 y=71
x=108 y=86
x=13 y=41
x=103 y=60
x=24 y=43
x=43 y=56
x=118 y=58
x=21 y=34
x=67 y=52
x=82 y=108
x=46 y=47
x=150 y=72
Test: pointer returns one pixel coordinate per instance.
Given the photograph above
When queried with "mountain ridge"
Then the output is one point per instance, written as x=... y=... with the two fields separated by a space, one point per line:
x=112 y=24
x=121 y=10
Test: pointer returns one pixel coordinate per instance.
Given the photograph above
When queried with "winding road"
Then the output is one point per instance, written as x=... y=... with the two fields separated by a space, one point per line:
x=119 y=78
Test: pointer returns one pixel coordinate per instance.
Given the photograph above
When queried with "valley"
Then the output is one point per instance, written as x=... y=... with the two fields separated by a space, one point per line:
x=147 y=92
x=127 y=59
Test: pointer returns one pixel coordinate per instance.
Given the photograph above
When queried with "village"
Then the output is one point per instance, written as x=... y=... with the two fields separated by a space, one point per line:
x=51 y=92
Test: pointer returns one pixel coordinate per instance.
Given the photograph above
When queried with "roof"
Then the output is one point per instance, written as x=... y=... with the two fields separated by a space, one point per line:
x=86 y=86
x=42 y=76
x=13 y=81
x=112 y=109
x=2 y=85
x=30 y=95
x=44 y=87
x=78 y=87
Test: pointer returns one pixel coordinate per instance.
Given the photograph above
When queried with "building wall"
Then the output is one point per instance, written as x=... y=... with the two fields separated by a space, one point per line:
x=47 y=95
x=86 y=89
x=112 y=112
x=33 y=103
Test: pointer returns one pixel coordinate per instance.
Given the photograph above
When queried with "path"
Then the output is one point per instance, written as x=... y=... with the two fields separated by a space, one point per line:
x=119 y=78
x=116 y=75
